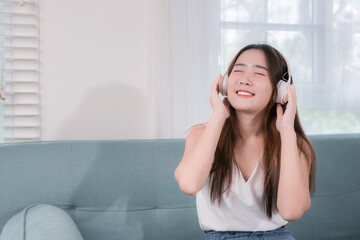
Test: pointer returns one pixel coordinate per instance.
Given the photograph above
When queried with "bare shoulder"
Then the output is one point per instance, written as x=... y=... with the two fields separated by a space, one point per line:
x=196 y=131
x=193 y=136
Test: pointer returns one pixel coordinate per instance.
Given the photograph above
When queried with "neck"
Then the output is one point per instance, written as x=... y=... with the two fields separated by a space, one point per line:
x=250 y=125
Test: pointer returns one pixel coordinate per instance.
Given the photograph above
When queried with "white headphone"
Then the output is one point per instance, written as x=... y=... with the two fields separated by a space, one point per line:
x=282 y=97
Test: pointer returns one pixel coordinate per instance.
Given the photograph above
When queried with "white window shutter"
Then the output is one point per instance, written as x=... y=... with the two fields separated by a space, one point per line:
x=20 y=63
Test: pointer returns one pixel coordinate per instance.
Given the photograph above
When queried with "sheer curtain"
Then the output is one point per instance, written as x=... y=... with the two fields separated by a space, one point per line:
x=197 y=39
x=185 y=43
x=321 y=39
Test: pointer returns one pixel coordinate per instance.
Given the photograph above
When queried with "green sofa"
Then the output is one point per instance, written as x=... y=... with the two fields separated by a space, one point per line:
x=126 y=189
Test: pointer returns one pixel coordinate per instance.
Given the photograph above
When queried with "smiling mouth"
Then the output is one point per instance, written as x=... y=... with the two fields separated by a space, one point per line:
x=243 y=93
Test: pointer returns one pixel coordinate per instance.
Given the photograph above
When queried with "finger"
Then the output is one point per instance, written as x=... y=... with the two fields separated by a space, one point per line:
x=215 y=84
x=279 y=110
x=216 y=80
x=291 y=95
x=294 y=93
x=291 y=105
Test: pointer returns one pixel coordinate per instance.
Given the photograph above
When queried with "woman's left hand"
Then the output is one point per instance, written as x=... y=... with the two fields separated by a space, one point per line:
x=285 y=121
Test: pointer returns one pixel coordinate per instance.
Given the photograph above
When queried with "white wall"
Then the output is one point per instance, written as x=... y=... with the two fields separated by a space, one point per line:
x=94 y=70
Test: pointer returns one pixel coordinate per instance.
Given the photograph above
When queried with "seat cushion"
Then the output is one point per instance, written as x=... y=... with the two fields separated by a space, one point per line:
x=41 y=222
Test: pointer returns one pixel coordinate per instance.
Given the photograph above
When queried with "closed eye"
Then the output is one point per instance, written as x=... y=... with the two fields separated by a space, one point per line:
x=261 y=74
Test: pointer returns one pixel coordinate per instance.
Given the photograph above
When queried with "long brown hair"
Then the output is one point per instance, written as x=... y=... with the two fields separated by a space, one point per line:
x=224 y=160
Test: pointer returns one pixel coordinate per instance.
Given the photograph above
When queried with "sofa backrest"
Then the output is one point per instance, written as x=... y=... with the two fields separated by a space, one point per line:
x=112 y=189
x=335 y=206
x=117 y=189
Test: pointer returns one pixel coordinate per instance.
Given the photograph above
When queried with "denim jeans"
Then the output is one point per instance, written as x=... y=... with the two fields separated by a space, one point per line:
x=276 y=234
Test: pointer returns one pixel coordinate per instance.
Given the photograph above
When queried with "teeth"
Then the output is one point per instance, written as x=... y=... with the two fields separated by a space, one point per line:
x=244 y=93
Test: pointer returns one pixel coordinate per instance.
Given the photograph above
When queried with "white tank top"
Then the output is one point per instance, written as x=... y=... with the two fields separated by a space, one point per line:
x=241 y=209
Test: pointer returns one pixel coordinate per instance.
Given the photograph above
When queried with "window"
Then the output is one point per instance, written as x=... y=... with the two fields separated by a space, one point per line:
x=321 y=40
x=20 y=111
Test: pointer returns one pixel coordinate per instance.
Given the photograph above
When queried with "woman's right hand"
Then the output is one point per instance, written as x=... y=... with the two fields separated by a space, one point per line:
x=219 y=107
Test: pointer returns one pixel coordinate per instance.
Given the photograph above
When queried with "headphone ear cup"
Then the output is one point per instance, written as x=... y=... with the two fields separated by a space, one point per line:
x=223 y=84
x=282 y=97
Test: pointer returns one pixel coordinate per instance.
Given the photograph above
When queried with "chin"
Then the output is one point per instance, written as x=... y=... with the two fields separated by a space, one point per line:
x=244 y=109
x=248 y=109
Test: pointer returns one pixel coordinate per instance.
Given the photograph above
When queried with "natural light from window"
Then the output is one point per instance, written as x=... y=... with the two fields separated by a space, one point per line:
x=323 y=48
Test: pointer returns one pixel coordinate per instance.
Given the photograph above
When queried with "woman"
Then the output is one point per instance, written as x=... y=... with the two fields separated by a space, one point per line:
x=251 y=166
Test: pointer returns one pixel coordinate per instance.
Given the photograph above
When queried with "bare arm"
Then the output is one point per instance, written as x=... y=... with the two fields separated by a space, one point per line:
x=194 y=167
x=293 y=198
x=293 y=192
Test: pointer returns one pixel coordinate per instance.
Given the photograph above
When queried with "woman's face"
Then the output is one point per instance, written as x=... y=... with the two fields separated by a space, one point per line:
x=249 y=84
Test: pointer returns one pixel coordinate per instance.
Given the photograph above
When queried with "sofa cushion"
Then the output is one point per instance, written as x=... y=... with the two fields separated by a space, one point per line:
x=41 y=222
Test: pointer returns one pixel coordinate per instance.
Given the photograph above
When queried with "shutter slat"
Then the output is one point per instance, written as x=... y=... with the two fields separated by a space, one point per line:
x=20 y=14
x=20 y=48
x=21 y=59
x=19 y=25
x=21 y=104
x=19 y=93
x=17 y=2
x=24 y=82
x=21 y=115
x=12 y=126
x=20 y=43
x=16 y=139
x=20 y=70
x=19 y=36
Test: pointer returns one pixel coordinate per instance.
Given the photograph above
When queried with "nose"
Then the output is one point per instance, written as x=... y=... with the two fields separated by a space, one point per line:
x=245 y=81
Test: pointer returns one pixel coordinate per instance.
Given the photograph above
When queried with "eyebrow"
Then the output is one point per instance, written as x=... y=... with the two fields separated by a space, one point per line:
x=257 y=66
